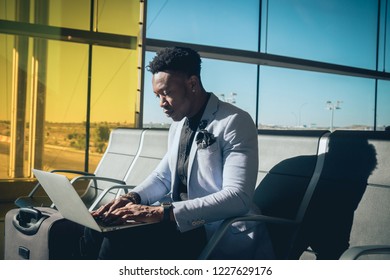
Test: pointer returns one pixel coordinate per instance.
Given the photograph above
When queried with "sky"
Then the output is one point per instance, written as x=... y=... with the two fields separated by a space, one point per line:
x=341 y=32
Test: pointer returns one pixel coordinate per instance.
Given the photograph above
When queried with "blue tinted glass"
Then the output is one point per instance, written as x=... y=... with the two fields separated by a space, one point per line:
x=223 y=23
x=153 y=115
x=341 y=32
x=230 y=81
x=383 y=110
x=292 y=98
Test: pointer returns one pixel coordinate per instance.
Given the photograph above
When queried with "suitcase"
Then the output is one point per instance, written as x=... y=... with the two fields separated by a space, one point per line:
x=41 y=233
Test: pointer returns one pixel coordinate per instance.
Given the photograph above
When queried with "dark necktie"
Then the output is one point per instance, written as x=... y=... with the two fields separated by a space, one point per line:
x=186 y=139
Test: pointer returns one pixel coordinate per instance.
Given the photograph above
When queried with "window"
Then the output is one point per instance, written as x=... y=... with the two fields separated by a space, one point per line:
x=302 y=99
x=341 y=32
x=65 y=108
x=51 y=75
x=223 y=23
x=60 y=99
x=383 y=114
x=60 y=11
x=230 y=81
x=313 y=37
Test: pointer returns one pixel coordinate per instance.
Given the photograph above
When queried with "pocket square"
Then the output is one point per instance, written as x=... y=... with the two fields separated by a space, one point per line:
x=204 y=139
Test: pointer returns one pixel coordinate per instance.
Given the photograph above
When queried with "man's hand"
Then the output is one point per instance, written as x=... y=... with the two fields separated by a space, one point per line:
x=106 y=209
x=122 y=210
x=135 y=212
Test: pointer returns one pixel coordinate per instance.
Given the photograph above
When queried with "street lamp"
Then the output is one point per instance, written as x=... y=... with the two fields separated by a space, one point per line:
x=230 y=99
x=296 y=119
x=300 y=111
x=332 y=106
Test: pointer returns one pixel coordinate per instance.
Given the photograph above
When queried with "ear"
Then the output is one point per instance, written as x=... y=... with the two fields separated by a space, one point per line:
x=193 y=82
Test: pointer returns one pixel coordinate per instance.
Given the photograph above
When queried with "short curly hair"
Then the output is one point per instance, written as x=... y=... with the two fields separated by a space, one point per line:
x=177 y=59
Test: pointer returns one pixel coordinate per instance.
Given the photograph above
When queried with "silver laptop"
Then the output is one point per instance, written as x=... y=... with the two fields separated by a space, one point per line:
x=69 y=203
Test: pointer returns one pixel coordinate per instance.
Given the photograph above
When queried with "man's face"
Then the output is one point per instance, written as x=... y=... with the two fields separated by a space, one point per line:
x=175 y=93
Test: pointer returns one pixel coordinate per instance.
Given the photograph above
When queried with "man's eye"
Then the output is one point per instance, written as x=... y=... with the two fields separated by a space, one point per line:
x=163 y=94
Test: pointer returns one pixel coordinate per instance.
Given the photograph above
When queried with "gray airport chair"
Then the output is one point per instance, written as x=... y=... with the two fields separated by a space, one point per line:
x=350 y=209
x=112 y=169
x=289 y=169
x=369 y=237
x=153 y=146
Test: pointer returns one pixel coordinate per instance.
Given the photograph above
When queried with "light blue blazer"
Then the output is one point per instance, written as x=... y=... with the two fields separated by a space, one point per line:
x=221 y=181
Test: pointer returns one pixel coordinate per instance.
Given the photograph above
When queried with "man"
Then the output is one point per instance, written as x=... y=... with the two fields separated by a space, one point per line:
x=209 y=173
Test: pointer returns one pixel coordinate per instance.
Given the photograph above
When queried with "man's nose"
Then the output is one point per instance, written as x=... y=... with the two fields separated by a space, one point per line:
x=163 y=101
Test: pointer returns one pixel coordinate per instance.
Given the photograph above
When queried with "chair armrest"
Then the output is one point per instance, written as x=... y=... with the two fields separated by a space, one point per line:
x=354 y=253
x=214 y=240
x=95 y=179
x=72 y=171
x=60 y=171
x=101 y=196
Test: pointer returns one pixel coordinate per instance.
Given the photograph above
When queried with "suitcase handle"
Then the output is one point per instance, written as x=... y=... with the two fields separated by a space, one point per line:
x=28 y=220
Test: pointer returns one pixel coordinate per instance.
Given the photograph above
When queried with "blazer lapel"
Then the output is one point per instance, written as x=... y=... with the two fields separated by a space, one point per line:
x=173 y=160
x=208 y=116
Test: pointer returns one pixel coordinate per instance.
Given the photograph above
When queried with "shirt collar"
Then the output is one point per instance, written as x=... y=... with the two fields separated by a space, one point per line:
x=195 y=120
